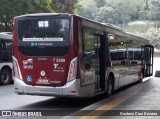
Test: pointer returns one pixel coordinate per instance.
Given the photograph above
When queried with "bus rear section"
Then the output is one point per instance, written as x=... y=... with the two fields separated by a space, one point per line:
x=6 y=65
x=44 y=61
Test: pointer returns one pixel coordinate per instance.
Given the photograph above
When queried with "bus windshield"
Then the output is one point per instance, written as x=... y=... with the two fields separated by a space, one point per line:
x=43 y=29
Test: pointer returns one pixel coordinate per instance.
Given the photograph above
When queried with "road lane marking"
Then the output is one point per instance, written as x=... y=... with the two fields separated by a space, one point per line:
x=108 y=106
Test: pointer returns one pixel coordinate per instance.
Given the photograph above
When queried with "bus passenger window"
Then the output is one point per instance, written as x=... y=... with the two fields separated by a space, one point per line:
x=7 y=51
x=89 y=48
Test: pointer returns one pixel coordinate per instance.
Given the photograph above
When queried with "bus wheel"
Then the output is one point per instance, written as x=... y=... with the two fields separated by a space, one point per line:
x=5 y=77
x=141 y=77
x=110 y=85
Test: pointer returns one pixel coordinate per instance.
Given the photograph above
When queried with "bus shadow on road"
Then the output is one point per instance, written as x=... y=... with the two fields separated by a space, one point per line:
x=126 y=87
x=64 y=103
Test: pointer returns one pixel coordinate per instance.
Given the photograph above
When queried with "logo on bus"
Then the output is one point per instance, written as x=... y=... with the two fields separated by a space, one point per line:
x=28 y=64
x=43 y=73
x=29 y=78
x=28 y=61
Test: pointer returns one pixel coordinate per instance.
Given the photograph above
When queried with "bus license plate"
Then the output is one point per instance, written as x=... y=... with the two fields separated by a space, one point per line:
x=43 y=81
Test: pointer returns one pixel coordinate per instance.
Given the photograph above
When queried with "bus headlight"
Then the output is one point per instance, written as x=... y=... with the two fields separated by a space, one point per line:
x=72 y=70
x=16 y=69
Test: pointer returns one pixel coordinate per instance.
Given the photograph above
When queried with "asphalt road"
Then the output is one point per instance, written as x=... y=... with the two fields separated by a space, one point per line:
x=11 y=101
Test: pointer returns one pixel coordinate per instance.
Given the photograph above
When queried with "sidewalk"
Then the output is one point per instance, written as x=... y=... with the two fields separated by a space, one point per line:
x=156 y=65
x=142 y=99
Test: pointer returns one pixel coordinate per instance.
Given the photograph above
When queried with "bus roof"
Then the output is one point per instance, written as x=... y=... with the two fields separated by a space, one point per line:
x=106 y=26
x=6 y=35
x=116 y=30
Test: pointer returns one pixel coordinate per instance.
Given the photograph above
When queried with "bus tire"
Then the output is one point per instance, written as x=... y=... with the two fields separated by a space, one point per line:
x=141 y=77
x=110 y=86
x=5 y=77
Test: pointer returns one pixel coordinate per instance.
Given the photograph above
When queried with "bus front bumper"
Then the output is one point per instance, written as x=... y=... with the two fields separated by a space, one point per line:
x=70 y=89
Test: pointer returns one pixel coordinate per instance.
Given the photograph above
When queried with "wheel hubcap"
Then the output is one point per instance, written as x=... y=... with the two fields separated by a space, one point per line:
x=5 y=77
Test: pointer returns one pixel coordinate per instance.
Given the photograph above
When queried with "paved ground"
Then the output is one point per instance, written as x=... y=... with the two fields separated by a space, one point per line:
x=156 y=65
x=140 y=99
x=9 y=100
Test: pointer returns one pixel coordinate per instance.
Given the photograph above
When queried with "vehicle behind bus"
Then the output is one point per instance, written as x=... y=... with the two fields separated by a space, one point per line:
x=5 y=58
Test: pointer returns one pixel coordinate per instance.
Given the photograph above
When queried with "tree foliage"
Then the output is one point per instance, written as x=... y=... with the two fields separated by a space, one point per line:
x=87 y=8
x=11 y=8
x=39 y=6
x=114 y=11
x=122 y=12
x=100 y=3
x=154 y=36
x=65 y=6
x=106 y=11
x=154 y=13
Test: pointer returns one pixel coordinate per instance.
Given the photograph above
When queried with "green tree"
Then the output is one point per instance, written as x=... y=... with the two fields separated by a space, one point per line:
x=100 y=3
x=154 y=36
x=146 y=6
x=154 y=12
x=105 y=15
x=113 y=11
x=39 y=6
x=11 y=8
x=65 y=6
x=127 y=10
x=87 y=8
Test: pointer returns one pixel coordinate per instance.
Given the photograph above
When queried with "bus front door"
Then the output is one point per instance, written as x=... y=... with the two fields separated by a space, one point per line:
x=147 y=60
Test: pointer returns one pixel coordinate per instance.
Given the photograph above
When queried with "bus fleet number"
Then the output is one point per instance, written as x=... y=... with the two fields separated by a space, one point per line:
x=58 y=60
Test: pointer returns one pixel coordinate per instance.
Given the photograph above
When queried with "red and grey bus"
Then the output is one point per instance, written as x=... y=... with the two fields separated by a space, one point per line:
x=69 y=56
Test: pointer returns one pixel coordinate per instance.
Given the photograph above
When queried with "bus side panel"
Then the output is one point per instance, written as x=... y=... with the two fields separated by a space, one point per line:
x=126 y=59
x=86 y=87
